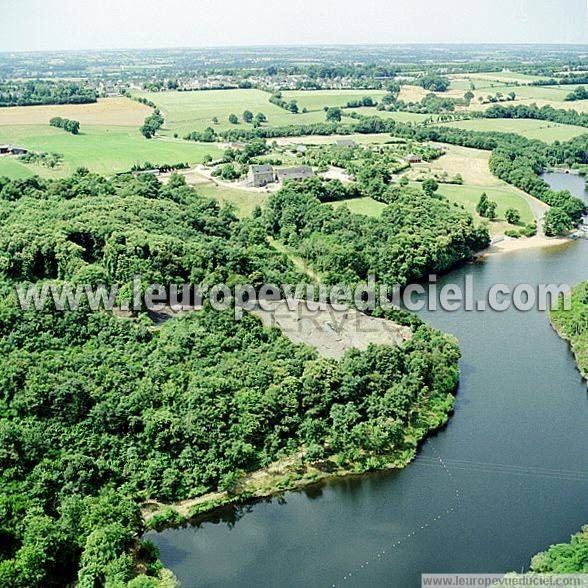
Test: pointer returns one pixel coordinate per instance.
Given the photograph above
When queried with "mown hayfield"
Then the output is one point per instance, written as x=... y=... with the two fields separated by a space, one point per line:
x=366 y=206
x=532 y=129
x=318 y=99
x=107 y=111
x=101 y=149
x=194 y=111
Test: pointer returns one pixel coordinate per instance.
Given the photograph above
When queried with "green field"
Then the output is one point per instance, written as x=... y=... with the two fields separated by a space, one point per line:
x=504 y=77
x=101 y=149
x=532 y=129
x=243 y=201
x=504 y=196
x=404 y=117
x=318 y=99
x=367 y=206
x=194 y=111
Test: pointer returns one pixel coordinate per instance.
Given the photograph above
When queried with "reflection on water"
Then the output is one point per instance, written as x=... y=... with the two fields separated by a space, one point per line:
x=514 y=449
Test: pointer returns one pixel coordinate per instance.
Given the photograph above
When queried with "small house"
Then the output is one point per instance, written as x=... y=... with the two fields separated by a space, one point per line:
x=412 y=158
x=261 y=175
x=18 y=150
x=4 y=149
x=302 y=172
x=346 y=143
x=301 y=148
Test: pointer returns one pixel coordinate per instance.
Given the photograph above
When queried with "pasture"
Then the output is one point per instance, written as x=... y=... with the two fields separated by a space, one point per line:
x=505 y=197
x=195 y=111
x=101 y=149
x=532 y=129
x=316 y=100
x=472 y=165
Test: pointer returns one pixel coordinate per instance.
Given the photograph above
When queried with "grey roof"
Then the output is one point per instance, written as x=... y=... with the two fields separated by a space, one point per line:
x=301 y=171
x=346 y=143
x=262 y=169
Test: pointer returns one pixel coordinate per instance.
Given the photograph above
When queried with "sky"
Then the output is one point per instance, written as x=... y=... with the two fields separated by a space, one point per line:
x=33 y=25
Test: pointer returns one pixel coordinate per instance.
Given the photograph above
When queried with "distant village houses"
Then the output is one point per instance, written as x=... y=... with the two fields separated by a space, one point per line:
x=262 y=175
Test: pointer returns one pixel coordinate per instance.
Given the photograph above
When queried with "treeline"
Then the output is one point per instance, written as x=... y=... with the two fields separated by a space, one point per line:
x=71 y=126
x=278 y=100
x=38 y=92
x=152 y=124
x=521 y=167
x=572 y=325
x=557 y=115
x=580 y=93
x=564 y=558
x=100 y=413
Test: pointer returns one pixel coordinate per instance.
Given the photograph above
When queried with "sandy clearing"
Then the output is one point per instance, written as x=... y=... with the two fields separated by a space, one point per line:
x=509 y=245
x=332 y=332
x=107 y=111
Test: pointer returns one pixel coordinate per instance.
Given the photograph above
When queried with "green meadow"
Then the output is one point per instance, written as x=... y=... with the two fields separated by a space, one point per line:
x=195 y=111
x=318 y=99
x=504 y=196
x=99 y=148
x=367 y=206
x=532 y=129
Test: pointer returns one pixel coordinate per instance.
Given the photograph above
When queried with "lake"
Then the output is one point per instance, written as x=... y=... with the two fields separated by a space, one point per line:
x=505 y=479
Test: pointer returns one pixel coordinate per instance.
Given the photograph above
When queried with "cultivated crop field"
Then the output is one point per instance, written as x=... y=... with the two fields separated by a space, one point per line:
x=107 y=111
x=532 y=129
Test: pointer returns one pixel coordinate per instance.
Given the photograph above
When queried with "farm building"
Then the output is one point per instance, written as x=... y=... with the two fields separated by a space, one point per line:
x=4 y=149
x=261 y=175
x=412 y=158
x=18 y=150
x=346 y=143
x=301 y=172
x=301 y=148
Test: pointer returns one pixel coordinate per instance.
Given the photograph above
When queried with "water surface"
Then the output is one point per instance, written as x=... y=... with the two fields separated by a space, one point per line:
x=515 y=478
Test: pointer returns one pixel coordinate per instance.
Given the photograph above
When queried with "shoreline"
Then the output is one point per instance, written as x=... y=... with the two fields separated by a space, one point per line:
x=290 y=474
x=510 y=245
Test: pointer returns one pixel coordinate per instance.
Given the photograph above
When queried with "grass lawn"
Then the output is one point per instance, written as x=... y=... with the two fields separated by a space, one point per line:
x=367 y=206
x=194 y=111
x=244 y=201
x=532 y=129
x=11 y=167
x=102 y=149
x=504 y=196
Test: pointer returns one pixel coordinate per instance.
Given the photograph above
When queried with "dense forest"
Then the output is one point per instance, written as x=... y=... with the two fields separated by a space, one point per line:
x=416 y=235
x=99 y=412
x=572 y=325
x=564 y=558
x=35 y=92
